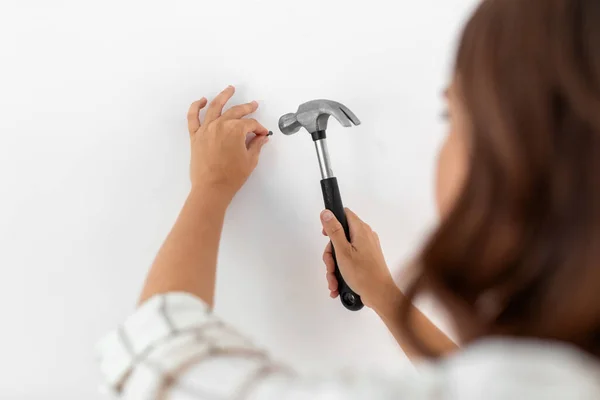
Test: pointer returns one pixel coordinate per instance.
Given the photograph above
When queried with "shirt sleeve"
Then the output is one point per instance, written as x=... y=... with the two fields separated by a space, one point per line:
x=173 y=347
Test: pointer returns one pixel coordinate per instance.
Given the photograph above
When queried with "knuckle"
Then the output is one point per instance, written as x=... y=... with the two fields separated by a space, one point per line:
x=249 y=123
x=192 y=111
x=336 y=227
x=208 y=127
x=226 y=124
x=236 y=124
x=337 y=232
x=216 y=125
x=344 y=251
x=233 y=111
x=238 y=109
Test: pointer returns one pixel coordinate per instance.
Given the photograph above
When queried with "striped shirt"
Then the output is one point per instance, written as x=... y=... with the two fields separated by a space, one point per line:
x=173 y=347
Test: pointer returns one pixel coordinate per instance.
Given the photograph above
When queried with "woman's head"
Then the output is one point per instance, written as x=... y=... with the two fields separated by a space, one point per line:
x=518 y=249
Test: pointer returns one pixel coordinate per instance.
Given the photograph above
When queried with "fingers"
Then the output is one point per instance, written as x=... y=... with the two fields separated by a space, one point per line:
x=241 y=110
x=335 y=231
x=216 y=106
x=332 y=282
x=252 y=125
x=328 y=258
x=193 y=116
x=256 y=145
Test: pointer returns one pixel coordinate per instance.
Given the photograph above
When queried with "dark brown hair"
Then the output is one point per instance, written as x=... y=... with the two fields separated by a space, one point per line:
x=519 y=254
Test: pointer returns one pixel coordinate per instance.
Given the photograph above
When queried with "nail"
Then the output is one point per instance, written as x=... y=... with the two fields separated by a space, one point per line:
x=327 y=215
x=270 y=133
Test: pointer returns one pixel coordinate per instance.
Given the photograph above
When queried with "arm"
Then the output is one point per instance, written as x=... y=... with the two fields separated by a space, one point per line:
x=187 y=260
x=173 y=346
x=220 y=164
x=363 y=266
x=388 y=308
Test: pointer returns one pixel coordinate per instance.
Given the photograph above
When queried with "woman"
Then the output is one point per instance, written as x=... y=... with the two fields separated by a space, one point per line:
x=515 y=259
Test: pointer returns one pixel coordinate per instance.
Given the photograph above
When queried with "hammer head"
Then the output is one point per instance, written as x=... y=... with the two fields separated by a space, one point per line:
x=314 y=115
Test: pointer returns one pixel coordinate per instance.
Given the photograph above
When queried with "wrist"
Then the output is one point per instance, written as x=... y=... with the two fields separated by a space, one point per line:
x=212 y=195
x=387 y=300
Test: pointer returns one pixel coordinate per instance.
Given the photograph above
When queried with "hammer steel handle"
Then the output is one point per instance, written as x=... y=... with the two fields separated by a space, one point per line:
x=333 y=202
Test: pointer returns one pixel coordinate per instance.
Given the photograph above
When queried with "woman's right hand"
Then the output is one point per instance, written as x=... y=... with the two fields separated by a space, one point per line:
x=360 y=261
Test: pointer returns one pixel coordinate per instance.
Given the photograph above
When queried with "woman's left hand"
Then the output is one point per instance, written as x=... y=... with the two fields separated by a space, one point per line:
x=220 y=157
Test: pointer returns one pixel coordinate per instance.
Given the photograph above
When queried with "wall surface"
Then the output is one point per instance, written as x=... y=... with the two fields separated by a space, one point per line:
x=94 y=163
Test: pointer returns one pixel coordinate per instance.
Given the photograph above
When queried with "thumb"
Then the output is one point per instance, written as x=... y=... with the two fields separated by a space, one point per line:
x=334 y=230
x=256 y=145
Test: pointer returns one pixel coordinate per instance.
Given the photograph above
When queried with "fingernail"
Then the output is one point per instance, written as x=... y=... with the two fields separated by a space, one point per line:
x=265 y=139
x=327 y=215
x=254 y=103
x=230 y=87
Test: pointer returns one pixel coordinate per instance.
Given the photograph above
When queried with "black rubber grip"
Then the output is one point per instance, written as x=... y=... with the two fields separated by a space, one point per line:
x=333 y=202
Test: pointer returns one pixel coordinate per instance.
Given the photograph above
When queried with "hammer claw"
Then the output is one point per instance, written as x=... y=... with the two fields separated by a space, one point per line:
x=350 y=115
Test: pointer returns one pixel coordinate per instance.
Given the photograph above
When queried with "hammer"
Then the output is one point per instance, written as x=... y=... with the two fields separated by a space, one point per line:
x=313 y=116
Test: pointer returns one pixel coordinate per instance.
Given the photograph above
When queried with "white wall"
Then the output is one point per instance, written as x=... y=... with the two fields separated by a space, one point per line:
x=94 y=162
